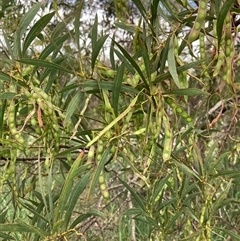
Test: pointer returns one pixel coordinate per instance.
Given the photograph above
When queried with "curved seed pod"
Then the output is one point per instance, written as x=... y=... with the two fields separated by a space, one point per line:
x=179 y=110
x=199 y=22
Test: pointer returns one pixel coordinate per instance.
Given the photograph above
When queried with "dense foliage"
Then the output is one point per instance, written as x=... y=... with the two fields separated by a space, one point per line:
x=124 y=126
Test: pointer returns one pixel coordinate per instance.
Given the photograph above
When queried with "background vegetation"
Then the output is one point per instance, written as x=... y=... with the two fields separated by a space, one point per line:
x=122 y=125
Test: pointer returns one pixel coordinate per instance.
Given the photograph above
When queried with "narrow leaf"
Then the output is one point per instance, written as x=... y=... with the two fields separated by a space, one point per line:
x=31 y=228
x=74 y=197
x=117 y=87
x=36 y=30
x=158 y=188
x=66 y=190
x=83 y=217
x=172 y=62
x=221 y=198
x=134 y=64
x=183 y=68
x=54 y=45
x=15 y=227
x=27 y=18
x=138 y=199
x=99 y=169
x=94 y=32
x=146 y=60
x=98 y=46
x=186 y=169
x=43 y=63
x=144 y=13
x=73 y=105
x=7 y=95
x=96 y=86
x=221 y=18
x=188 y=92
x=235 y=236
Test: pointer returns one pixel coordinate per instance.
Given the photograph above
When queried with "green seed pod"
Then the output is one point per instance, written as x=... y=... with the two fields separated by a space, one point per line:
x=107 y=105
x=41 y=93
x=202 y=54
x=101 y=180
x=220 y=62
x=179 y=110
x=55 y=126
x=38 y=130
x=11 y=120
x=14 y=132
x=106 y=194
x=103 y=187
x=153 y=76
x=28 y=70
x=110 y=73
x=142 y=66
x=113 y=150
x=99 y=157
x=100 y=149
x=91 y=153
x=136 y=79
x=199 y=22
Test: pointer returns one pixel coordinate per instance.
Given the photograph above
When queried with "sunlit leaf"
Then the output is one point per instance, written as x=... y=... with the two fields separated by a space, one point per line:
x=36 y=30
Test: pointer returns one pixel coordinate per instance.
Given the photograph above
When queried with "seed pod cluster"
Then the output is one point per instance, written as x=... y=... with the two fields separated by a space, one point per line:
x=47 y=120
x=35 y=125
x=101 y=178
x=199 y=22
